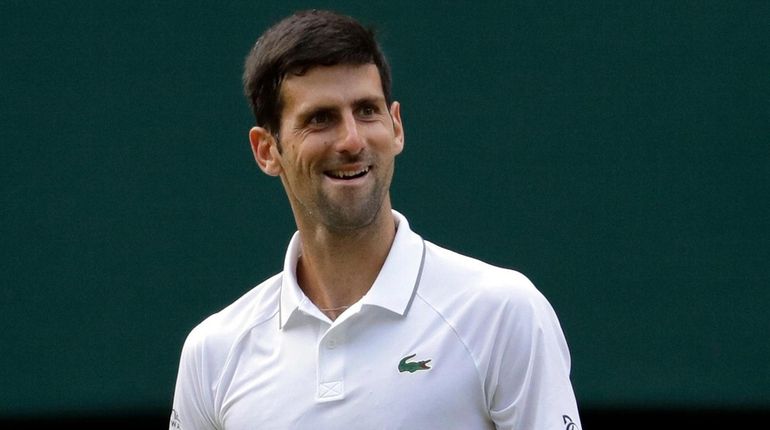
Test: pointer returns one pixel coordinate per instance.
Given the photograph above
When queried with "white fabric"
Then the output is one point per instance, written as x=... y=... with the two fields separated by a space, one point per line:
x=272 y=360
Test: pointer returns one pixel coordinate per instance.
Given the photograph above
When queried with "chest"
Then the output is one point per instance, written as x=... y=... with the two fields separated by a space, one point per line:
x=372 y=372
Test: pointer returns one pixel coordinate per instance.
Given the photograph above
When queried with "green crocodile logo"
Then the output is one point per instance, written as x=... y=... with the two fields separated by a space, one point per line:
x=413 y=366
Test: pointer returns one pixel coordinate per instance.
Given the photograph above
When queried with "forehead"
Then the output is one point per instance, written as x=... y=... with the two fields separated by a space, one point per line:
x=330 y=86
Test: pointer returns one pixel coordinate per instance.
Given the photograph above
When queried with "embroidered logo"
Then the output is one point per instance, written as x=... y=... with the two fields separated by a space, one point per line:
x=412 y=366
x=176 y=423
x=569 y=423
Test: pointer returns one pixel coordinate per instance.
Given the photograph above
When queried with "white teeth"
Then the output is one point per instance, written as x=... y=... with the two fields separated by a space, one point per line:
x=343 y=174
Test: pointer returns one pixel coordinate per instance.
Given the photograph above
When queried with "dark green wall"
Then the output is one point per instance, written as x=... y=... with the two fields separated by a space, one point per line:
x=615 y=152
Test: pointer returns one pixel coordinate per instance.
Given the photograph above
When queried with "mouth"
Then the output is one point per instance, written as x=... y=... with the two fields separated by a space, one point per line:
x=347 y=175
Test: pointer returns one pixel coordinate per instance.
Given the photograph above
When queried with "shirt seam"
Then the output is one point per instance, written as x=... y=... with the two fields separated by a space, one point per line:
x=467 y=349
x=228 y=360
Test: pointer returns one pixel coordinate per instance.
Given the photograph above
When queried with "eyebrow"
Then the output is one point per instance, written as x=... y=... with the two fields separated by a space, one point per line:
x=373 y=100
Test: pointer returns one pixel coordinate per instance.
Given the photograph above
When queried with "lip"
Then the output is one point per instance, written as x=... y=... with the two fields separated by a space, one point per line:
x=348 y=174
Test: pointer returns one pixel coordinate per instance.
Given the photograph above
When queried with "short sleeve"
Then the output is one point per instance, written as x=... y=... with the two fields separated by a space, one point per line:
x=193 y=398
x=530 y=370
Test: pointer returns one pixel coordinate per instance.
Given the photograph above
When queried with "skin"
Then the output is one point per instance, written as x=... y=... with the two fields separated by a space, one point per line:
x=339 y=140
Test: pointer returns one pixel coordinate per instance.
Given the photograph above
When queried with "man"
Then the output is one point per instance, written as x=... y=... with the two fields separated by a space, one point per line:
x=368 y=326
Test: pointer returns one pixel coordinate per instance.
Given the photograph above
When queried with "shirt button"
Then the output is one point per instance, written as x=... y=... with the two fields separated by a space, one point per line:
x=331 y=343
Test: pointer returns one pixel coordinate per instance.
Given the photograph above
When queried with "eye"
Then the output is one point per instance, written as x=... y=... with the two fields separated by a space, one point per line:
x=320 y=118
x=367 y=111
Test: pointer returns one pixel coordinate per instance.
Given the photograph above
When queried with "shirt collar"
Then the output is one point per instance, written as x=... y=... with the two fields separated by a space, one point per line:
x=393 y=289
x=291 y=294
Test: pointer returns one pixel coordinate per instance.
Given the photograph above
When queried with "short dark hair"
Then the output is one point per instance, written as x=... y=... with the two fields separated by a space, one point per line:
x=297 y=43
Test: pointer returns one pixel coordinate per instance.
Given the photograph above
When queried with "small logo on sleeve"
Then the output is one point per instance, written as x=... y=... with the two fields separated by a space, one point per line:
x=176 y=423
x=412 y=366
x=570 y=425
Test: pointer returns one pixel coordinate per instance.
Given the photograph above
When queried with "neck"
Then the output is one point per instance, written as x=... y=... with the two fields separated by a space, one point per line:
x=336 y=269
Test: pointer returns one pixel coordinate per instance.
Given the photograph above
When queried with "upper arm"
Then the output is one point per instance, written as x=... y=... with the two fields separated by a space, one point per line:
x=529 y=370
x=193 y=407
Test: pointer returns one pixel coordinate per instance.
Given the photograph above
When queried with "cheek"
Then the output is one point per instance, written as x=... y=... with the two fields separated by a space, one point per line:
x=384 y=140
x=310 y=154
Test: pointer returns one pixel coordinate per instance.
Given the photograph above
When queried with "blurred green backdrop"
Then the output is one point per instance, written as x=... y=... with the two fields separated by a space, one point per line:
x=615 y=152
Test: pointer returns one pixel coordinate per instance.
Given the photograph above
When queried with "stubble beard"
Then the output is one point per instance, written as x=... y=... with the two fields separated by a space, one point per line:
x=355 y=212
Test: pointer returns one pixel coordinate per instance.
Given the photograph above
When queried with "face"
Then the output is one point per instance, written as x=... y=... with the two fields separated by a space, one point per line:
x=338 y=142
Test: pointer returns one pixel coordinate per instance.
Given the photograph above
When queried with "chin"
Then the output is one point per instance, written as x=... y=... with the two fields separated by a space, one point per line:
x=350 y=219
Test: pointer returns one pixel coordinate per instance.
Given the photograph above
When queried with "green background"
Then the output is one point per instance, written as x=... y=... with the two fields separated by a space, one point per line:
x=615 y=152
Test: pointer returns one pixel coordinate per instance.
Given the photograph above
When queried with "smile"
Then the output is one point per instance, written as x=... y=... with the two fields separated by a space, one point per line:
x=347 y=174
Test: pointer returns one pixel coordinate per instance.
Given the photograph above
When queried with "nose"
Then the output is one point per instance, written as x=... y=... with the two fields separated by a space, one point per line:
x=350 y=140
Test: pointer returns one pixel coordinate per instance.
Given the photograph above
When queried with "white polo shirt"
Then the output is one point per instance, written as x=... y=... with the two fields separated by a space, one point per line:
x=440 y=341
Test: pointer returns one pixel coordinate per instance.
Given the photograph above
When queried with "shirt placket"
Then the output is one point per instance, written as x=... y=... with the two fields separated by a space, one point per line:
x=331 y=363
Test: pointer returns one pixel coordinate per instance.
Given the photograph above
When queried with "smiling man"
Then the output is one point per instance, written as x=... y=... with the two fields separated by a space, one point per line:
x=368 y=326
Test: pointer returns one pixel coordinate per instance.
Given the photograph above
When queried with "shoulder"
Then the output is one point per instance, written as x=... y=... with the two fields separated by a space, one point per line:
x=450 y=274
x=215 y=336
x=494 y=311
x=472 y=295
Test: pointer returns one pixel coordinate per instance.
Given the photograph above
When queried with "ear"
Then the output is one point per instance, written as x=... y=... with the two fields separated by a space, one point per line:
x=265 y=149
x=398 y=127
